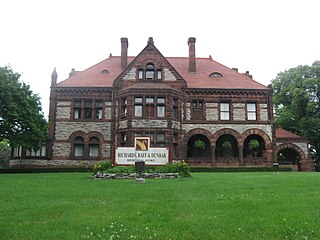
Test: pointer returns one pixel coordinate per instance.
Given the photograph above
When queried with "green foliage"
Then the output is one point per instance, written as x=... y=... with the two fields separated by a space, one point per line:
x=122 y=169
x=102 y=166
x=199 y=144
x=21 y=118
x=238 y=169
x=227 y=145
x=296 y=101
x=254 y=144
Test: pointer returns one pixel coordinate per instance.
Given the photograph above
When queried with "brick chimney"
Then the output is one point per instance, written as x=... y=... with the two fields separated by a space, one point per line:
x=54 y=77
x=192 y=54
x=124 y=52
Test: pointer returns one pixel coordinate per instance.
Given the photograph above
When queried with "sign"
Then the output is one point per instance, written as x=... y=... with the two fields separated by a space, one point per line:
x=141 y=152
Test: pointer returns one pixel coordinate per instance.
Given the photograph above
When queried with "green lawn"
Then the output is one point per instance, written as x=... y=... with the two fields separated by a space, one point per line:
x=206 y=206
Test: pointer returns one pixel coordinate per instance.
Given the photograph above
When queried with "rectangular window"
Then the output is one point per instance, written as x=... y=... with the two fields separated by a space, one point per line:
x=160 y=111
x=98 y=113
x=251 y=111
x=160 y=100
x=159 y=74
x=224 y=111
x=77 y=113
x=198 y=110
x=140 y=74
x=149 y=99
x=88 y=113
x=160 y=137
x=138 y=110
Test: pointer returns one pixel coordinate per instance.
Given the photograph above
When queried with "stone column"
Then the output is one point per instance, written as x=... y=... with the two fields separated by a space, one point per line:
x=213 y=156
x=240 y=155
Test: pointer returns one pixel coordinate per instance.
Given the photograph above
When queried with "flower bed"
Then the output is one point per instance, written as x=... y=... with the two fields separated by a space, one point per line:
x=100 y=175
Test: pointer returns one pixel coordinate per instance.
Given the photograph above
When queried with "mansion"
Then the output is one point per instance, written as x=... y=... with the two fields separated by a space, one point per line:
x=206 y=113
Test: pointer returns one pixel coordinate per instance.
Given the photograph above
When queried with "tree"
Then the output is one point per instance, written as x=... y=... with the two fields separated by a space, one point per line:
x=21 y=118
x=297 y=107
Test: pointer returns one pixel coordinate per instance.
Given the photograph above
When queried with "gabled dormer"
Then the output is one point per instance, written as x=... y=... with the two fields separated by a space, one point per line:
x=150 y=66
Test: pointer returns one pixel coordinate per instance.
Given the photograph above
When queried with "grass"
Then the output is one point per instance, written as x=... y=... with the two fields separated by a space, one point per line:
x=206 y=206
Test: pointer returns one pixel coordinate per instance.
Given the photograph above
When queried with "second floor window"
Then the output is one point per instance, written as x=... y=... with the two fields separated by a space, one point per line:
x=251 y=111
x=224 y=111
x=198 y=110
x=88 y=109
x=149 y=107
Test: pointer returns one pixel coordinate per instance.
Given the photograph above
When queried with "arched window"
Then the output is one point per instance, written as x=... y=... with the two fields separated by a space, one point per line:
x=94 y=147
x=78 y=147
x=150 y=71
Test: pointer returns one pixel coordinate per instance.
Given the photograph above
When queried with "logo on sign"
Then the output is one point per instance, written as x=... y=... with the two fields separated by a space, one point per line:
x=142 y=143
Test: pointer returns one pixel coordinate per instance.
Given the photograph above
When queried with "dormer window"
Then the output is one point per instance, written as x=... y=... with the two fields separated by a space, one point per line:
x=150 y=71
x=105 y=71
x=215 y=74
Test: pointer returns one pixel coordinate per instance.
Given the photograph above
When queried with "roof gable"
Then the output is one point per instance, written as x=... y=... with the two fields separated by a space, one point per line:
x=150 y=55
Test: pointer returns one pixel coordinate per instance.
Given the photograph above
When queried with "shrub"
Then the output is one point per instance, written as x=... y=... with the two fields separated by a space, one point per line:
x=102 y=166
x=122 y=169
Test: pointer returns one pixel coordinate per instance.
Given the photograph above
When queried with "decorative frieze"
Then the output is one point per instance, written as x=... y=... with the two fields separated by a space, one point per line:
x=146 y=123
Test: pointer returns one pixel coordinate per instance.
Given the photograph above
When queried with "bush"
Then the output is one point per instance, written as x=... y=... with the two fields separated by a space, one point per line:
x=238 y=169
x=102 y=166
x=122 y=169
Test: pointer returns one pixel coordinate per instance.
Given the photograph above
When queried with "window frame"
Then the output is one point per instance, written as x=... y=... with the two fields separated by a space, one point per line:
x=250 y=112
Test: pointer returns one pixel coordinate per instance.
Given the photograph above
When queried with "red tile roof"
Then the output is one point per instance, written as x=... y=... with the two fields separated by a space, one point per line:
x=281 y=133
x=231 y=79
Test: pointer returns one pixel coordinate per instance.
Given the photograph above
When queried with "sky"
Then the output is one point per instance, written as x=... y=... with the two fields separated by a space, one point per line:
x=264 y=37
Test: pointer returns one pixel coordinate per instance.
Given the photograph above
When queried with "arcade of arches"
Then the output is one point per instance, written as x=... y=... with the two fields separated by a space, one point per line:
x=227 y=147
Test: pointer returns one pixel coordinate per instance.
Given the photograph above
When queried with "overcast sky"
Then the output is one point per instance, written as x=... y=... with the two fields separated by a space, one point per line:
x=264 y=37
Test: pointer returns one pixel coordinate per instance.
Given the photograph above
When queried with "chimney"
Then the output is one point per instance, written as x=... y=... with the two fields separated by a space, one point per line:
x=72 y=72
x=192 y=54
x=248 y=74
x=124 y=52
x=235 y=69
x=54 y=77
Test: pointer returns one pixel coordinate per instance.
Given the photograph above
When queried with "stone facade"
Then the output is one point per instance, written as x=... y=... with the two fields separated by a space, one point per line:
x=174 y=101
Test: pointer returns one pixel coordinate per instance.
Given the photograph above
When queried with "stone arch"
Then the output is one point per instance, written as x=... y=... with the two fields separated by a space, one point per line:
x=197 y=131
x=291 y=146
x=256 y=131
x=77 y=134
x=95 y=134
x=225 y=131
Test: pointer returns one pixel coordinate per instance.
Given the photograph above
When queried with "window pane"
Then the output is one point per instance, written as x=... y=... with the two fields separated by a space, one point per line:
x=140 y=74
x=88 y=103
x=149 y=100
x=138 y=100
x=149 y=74
x=251 y=107
x=252 y=116
x=160 y=111
x=224 y=116
x=93 y=150
x=78 y=150
x=138 y=110
x=224 y=106
x=99 y=113
x=88 y=113
x=160 y=137
x=160 y=100
x=77 y=103
x=77 y=113
x=159 y=74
